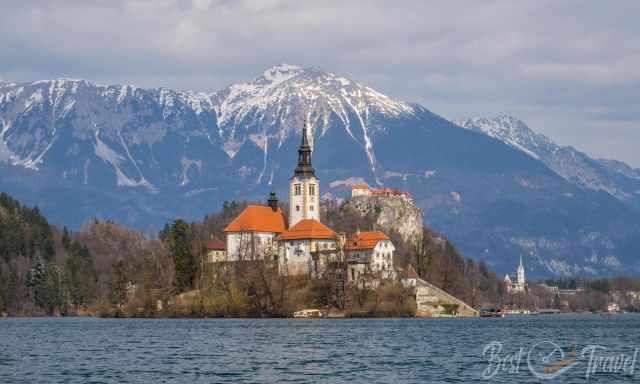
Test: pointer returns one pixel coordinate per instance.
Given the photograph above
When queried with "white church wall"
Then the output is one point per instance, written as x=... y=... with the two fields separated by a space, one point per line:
x=249 y=245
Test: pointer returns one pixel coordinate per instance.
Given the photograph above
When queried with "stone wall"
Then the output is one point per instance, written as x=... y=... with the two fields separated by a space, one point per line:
x=433 y=301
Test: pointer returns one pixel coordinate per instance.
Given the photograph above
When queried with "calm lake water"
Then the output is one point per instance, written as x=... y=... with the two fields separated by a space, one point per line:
x=83 y=350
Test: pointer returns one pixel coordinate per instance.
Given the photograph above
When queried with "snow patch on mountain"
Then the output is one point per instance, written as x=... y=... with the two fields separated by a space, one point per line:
x=107 y=154
x=276 y=102
x=509 y=130
x=35 y=98
x=561 y=267
x=186 y=164
x=241 y=99
x=613 y=177
x=111 y=157
x=5 y=152
x=32 y=163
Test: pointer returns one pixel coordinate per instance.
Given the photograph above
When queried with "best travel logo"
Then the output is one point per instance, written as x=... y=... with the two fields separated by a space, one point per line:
x=547 y=360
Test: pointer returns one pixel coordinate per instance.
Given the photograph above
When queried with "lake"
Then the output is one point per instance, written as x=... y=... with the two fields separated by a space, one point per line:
x=83 y=350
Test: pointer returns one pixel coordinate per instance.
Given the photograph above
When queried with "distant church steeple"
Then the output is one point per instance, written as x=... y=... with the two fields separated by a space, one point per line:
x=304 y=168
x=304 y=187
x=520 y=281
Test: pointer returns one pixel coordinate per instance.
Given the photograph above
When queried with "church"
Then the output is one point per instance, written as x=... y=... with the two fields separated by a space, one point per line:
x=306 y=246
x=520 y=284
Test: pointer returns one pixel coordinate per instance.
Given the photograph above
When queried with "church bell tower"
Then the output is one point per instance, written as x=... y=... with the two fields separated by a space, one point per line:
x=304 y=189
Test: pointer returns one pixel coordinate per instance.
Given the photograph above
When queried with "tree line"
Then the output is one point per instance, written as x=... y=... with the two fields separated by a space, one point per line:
x=105 y=268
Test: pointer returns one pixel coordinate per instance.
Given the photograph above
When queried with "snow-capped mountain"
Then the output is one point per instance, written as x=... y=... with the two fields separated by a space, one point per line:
x=611 y=176
x=145 y=156
x=266 y=111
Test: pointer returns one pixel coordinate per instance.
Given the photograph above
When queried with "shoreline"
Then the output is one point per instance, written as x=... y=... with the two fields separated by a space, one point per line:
x=170 y=317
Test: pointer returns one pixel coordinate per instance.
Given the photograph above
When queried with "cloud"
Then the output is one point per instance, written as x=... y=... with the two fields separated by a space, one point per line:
x=572 y=62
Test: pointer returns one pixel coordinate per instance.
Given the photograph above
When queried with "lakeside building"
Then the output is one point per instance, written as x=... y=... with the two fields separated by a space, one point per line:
x=216 y=250
x=307 y=248
x=250 y=236
x=520 y=284
x=508 y=284
x=369 y=252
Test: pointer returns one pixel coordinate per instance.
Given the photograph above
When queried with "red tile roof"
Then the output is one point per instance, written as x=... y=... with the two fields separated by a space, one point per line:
x=365 y=240
x=307 y=229
x=411 y=272
x=381 y=191
x=216 y=244
x=257 y=218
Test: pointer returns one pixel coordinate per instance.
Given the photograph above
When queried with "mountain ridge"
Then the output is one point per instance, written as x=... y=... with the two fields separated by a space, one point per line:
x=612 y=176
x=144 y=156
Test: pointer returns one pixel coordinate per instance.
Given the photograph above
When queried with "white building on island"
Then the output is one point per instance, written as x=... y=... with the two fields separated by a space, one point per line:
x=250 y=236
x=307 y=248
x=370 y=252
x=520 y=284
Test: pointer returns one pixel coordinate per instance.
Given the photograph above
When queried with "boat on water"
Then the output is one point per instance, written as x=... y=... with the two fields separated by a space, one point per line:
x=491 y=312
x=308 y=314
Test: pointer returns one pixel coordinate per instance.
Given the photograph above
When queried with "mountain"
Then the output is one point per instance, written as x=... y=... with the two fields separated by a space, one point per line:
x=144 y=156
x=611 y=176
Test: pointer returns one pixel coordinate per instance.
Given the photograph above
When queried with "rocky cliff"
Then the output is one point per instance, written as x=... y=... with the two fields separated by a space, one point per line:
x=392 y=213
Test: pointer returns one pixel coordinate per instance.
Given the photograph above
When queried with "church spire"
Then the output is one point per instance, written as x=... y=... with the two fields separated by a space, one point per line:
x=304 y=168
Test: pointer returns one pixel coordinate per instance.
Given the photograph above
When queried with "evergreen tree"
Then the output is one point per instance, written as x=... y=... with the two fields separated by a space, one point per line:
x=66 y=238
x=80 y=274
x=35 y=280
x=178 y=240
x=118 y=284
x=37 y=272
x=51 y=293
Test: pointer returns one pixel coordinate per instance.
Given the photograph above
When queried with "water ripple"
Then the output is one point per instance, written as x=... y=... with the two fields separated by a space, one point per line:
x=82 y=350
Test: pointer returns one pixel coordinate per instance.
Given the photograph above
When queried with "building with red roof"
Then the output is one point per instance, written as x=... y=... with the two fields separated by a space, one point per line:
x=257 y=218
x=250 y=236
x=307 y=248
x=363 y=189
x=369 y=252
x=411 y=277
x=216 y=250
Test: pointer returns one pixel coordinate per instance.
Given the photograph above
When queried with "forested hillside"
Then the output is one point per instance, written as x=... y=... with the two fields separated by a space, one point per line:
x=48 y=270
x=108 y=269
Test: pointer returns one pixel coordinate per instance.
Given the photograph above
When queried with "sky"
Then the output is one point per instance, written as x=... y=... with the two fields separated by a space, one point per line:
x=569 y=69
